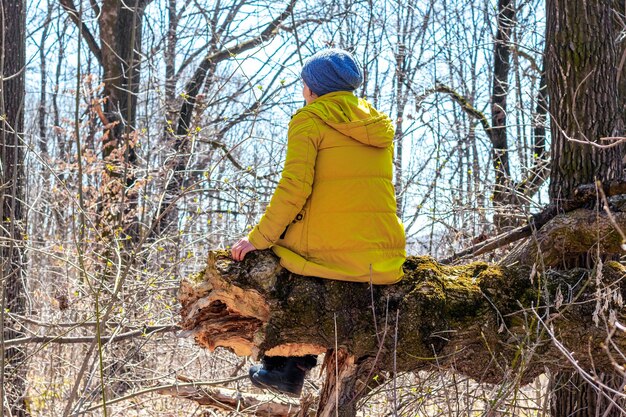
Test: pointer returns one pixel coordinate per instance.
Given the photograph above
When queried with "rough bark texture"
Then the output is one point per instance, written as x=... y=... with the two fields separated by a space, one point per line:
x=347 y=381
x=571 y=236
x=12 y=68
x=581 y=68
x=480 y=320
x=120 y=26
x=574 y=396
x=582 y=55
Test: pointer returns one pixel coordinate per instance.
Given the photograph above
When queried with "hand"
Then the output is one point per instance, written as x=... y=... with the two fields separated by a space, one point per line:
x=239 y=249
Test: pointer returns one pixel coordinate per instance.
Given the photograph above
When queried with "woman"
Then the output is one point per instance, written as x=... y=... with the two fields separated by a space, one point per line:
x=333 y=214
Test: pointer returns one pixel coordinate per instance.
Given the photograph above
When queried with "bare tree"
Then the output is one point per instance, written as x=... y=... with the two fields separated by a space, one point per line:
x=119 y=54
x=500 y=90
x=12 y=214
x=167 y=213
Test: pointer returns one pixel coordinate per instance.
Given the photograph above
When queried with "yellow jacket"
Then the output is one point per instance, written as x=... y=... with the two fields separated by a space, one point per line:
x=333 y=214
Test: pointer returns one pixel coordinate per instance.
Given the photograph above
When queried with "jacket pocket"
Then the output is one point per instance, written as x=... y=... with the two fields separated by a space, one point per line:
x=293 y=236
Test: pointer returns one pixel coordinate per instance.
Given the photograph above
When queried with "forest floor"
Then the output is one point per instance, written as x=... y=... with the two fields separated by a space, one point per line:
x=423 y=394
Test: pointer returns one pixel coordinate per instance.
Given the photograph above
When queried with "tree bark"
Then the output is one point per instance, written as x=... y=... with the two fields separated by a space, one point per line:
x=581 y=69
x=348 y=380
x=573 y=395
x=120 y=25
x=498 y=136
x=571 y=237
x=119 y=53
x=585 y=104
x=230 y=400
x=12 y=217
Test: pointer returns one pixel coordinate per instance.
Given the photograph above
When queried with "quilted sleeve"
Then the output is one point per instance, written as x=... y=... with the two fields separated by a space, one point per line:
x=295 y=183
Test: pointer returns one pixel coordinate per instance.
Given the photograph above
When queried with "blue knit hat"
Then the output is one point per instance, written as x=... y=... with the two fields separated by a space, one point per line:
x=332 y=70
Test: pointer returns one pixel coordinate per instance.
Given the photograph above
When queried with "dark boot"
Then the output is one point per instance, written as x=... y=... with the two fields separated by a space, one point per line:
x=268 y=363
x=283 y=374
x=253 y=370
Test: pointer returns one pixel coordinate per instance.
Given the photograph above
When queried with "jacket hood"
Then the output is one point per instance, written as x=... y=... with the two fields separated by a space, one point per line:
x=354 y=117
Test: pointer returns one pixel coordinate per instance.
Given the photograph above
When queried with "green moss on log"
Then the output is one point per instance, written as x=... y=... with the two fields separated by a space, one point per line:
x=409 y=320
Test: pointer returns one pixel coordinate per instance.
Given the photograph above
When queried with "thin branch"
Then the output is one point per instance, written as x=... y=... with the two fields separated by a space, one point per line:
x=615 y=141
x=582 y=195
x=69 y=6
x=94 y=6
x=146 y=331
x=494 y=243
x=270 y=31
x=462 y=101
x=537 y=173
x=159 y=388
x=297 y=23
x=235 y=400
x=192 y=88
x=517 y=50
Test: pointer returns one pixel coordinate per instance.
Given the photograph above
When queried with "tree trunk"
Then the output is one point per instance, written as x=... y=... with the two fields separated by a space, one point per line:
x=119 y=54
x=12 y=68
x=347 y=381
x=481 y=320
x=581 y=69
x=120 y=34
x=501 y=66
x=574 y=396
x=585 y=104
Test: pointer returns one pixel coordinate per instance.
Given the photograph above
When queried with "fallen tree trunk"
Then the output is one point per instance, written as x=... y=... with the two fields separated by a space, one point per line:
x=488 y=322
x=474 y=319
